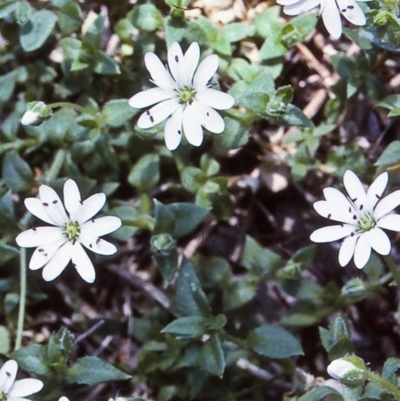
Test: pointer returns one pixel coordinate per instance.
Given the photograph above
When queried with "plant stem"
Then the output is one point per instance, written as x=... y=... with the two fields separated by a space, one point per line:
x=72 y=106
x=22 y=298
x=393 y=268
x=57 y=165
x=235 y=340
x=391 y=388
x=145 y=203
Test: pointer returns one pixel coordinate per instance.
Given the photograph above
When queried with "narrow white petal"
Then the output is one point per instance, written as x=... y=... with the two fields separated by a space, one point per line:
x=205 y=71
x=352 y=12
x=173 y=129
x=8 y=372
x=331 y=233
x=83 y=264
x=192 y=126
x=376 y=189
x=347 y=248
x=387 y=204
x=102 y=225
x=334 y=212
x=300 y=6
x=210 y=119
x=149 y=97
x=157 y=113
x=362 y=252
x=89 y=207
x=72 y=197
x=331 y=17
x=98 y=245
x=355 y=189
x=38 y=236
x=159 y=74
x=58 y=262
x=63 y=399
x=24 y=387
x=35 y=206
x=390 y=222
x=287 y=2
x=53 y=205
x=44 y=253
x=176 y=64
x=192 y=57
x=379 y=241
x=215 y=99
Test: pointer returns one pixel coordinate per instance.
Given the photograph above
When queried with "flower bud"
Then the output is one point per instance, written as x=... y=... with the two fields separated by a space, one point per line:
x=350 y=371
x=354 y=289
x=35 y=112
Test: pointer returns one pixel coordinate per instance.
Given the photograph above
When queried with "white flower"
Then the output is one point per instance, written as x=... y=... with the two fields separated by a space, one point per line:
x=182 y=96
x=35 y=112
x=329 y=9
x=57 y=245
x=12 y=390
x=30 y=118
x=346 y=371
x=362 y=216
x=63 y=399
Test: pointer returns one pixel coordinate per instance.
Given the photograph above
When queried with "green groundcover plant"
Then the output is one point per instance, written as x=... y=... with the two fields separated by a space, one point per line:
x=163 y=164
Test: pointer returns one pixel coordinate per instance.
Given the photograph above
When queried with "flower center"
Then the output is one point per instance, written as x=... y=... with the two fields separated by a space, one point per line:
x=365 y=223
x=71 y=230
x=186 y=95
x=3 y=397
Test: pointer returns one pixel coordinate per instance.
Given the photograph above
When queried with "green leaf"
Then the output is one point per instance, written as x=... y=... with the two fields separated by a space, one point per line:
x=190 y=326
x=391 y=155
x=7 y=85
x=319 y=393
x=187 y=217
x=4 y=340
x=105 y=65
x=267 y=22
x=147 y=17
x=145 y=173
x=92 y=370
x=238 y=31
x=116 y=112
x=7 y=7
x=293 y=116
x=7 y=252
x=236 y=135
x=32 y=359
x=211 y=357
x=37 y=29
x=391 y=102
x=189 y=298
x=69 y=17
x=17 y=174
x=391 y=366
x=166 y=255
x=239 y=293
x=274 y=342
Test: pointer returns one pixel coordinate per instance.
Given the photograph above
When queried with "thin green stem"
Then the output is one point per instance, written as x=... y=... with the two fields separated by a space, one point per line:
x=391 y=388
x=235 y=340
x=22 y=298
x=57 y=165
x=145 y=203
x=72 y=106
x=393 y=268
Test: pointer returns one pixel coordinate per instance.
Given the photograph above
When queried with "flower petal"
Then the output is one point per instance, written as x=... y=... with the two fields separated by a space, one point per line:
x=347 y=248
x=83 y=264
x=89 y=207
x=8 y=373
x=176 y=64
x=390 y=222
x=352 y=12
x=159 y=74
x=53 y=205
x=331 y=233
x=331 y=17
x=43 y=254
x=98 y=245
x=287 y=2
x=38 y=236
x=173 y=129
x=192 y=57
x=379 y=241
x=376 y=189
x=210 y=119
x=355 y=189
x=362 y=252
x=157 y=113
x=149 y=97
x=24 y=387
x=205 y=71
x=298 y=7
x=58 y=262
x=191 y=125
x=35 y=206
x=72 y=197
x=215 y=99
x=387 y=204
x=102 y=225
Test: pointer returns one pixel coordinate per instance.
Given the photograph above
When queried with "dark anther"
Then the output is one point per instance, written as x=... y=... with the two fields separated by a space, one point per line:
x=353 y=200
x=176 y=58
x=152 y=119
x=81 y=202
x=361 y=207
x=41 y=250
x=45 y=204
x=329 y=216
x=344 y=10
x=352 y=235
x=208 y=114
x=354 y=217
x=179 y=132
x=377 y=196
x=73 y=264
x=341 y=225
x=349 y=209
x=8 y=374
x=350 y=7
x=93 y=220
x=97 y=241
x=34 y=228
x=90 y=246
x=148 y=112
x=45 y=255
x=55 y=202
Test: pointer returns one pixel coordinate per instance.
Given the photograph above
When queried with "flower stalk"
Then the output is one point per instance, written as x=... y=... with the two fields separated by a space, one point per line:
x=391 y=388
x=22 y=298
x=393 y=268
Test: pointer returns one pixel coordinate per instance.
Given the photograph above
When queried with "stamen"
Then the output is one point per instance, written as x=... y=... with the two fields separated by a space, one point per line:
x=377 y=196
x=41 y=250
x=353 y=200
x=45 y=204
x=93 y=220
x=350 y=7
x=34 y=228
x=8 y=374
x=343 y=10
x=81 y=202
x=329 y=216
x=352 y=235
x=152 y=119
x=55 y=202
x=90 y=246
x=179 y=132
x=349 y=209
x=97 y=241
x=361 y=207
x=354 y=217
x=208 y=114
x=176 y=59
x=148 y=112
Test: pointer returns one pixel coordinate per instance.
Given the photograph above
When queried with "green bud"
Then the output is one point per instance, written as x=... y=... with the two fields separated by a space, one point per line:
x=349 y=370
x=162 y=243
x=35 y=112
x=354 y=289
